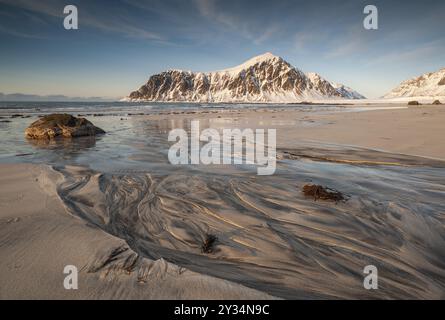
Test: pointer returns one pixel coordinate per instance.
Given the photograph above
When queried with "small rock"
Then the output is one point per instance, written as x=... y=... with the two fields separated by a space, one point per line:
x=64 y=125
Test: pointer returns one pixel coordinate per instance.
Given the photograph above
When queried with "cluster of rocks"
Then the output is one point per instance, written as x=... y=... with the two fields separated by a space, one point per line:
x=417 y=103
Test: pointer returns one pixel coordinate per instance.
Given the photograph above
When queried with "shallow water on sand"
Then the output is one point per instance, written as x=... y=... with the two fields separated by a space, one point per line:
x=270 y=236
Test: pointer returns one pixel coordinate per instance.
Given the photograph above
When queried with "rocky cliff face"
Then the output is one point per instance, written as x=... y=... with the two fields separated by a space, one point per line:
x=266 y=78
x=427 y=85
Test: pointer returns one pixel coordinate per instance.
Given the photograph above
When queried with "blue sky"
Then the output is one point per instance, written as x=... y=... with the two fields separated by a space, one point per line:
x=119 y=44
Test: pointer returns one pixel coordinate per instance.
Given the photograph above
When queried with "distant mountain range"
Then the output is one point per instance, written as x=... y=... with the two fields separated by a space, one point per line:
x=265 y=78
x=430 y=84
x=37 y=98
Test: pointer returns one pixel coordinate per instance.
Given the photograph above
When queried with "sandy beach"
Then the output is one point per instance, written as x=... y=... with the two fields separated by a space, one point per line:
x=39 y=237
x=394 y=128
x=137 y=234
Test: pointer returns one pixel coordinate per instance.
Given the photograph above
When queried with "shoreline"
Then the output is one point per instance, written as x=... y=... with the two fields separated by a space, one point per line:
x=350 y=102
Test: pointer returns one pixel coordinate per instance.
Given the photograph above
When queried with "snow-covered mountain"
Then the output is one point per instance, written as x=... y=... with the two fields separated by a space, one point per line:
x=265 y=78
x=427 y=85
x=347 y=92
x=332 y=88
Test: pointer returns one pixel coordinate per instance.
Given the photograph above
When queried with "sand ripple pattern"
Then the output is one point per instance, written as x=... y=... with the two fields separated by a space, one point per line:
x=272 y=238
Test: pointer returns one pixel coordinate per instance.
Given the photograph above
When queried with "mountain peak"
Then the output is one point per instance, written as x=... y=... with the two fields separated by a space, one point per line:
x=268 y=56
x=264 y=57
x=264 y=78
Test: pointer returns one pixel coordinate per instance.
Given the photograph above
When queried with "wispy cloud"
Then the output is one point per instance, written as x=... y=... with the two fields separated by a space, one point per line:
x=20 y=34
x=237 y=22
x=346 y=48
x=415 y=53
x=105 y=20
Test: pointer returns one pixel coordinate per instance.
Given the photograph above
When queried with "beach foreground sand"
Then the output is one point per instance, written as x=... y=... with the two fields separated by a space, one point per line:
x=39 y=238
x=50 y=218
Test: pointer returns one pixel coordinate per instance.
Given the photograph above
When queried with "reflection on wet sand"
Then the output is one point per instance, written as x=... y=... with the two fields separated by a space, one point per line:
x=59 y=150
x=64 y=149
x=65 y=145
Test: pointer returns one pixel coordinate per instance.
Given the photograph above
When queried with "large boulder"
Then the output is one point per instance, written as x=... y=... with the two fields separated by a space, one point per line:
x=63 y=125
x=436 y=102
x=414 y=103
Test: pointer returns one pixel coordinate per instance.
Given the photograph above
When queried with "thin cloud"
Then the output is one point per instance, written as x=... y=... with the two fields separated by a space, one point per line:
x=108 y=23
x=347 y=49
x=408 y=56
x=20 y=34
x=234 y=22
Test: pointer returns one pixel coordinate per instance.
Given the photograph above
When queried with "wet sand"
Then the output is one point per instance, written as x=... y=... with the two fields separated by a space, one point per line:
x=414 y=130
x=138 y=234
x=39 y=237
